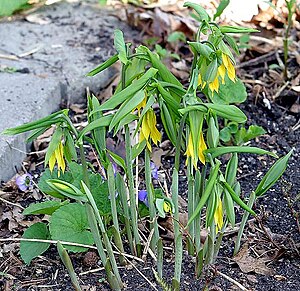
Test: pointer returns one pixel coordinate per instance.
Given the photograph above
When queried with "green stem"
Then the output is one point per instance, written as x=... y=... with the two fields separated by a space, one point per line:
x=174 y=190
x=112 y=193
x=132 y=194
x=151 y=198
x=84 y=165
x=243 y=223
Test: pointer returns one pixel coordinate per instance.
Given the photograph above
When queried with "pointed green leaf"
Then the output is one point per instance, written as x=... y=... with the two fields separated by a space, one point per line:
x=120 y=46
x=199 y=9
x=273 y=175
x=45 y=207
x=103 y=66
x=216 y=152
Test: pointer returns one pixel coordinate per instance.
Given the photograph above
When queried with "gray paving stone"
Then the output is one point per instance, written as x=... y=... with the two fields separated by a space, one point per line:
x=75 y=39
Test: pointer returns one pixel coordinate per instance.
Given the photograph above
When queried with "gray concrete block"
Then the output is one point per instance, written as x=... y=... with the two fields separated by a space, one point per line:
x=75 y=38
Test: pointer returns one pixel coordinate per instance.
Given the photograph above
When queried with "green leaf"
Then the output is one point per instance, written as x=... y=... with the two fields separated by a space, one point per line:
x=127 y=107
x=163 y=71
x=159 y=203
x=100 y=193
x=236 y=198
x=129 y=91
x=231 y=169
x=176 y=36
x=201 y=48
x=229 y=112
x=117 y=159
x=216 y=152
x=46 y=207
x=225 y=134
x=211 y=71
x=199 y=10
x=272 y=176
x=223 y=4
x=36 y=133
x=229 y=207
x=236 y=29
x=8 y=7
x=45 y=188
x=252 y=132
x=168 y=122
x=100 y=122
x=69 y=223
x=103 y=66
x=120 y=46
x=230 y=92
x=138 y=148
x=67 y=189
x=40 y=123
x=69 y=148
x=30 y=250
x=212 y=133
x=207 y=192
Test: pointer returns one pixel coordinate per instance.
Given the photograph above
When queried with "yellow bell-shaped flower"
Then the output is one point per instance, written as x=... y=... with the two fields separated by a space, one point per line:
x=149 y=130
x=218 y=216
x=229 y=66
x=58 y=157
x=200 y=149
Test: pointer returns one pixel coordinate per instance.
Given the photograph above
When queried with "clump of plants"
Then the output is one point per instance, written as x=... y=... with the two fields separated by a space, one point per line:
x=104 y=208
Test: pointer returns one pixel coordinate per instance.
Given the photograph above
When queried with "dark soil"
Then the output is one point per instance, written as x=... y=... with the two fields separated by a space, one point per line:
x=275 y=234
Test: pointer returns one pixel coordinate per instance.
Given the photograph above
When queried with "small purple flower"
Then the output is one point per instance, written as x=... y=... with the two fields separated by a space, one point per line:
x=24 y=182
x=115 y=168
x=143 y=197
x=154 y=171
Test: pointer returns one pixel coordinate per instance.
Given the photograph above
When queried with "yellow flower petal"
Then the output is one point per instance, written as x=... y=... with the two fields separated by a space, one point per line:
x=214 y=85
x=231 y=72
x=202 y=147
x=167 y=207
x=218 y=216
x=222 y=72
x=149 y=129
x=226 y=60
x=141 y=105
x=52 y=161
x=145 y=127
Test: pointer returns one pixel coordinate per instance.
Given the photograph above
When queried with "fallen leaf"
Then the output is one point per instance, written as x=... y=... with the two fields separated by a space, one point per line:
x=248 y=264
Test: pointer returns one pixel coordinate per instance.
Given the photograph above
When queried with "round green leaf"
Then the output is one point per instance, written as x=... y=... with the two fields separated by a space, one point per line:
x=70 y=223
x=30 y=250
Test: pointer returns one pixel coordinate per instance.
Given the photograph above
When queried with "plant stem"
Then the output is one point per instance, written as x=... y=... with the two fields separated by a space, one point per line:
x=243 y=223
x=151 y=198
x=132 y=194
x=174 y=190
x=112 y=194
x=84 y=165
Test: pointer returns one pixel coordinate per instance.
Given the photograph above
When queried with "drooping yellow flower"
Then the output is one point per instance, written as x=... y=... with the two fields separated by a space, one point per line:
x=222 y=72
x=200 y=81
x=229 y=66
x=149 y=130
x=201 y=148
x=218 y=215
x=214 y=85
x=58 y=157
x=190 y=151
x=141 y=105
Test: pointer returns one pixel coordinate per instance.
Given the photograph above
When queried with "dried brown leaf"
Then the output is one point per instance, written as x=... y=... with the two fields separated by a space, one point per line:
x=248 y=264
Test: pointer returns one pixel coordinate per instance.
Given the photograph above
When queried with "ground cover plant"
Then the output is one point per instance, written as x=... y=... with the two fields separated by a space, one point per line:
x=202 y=125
